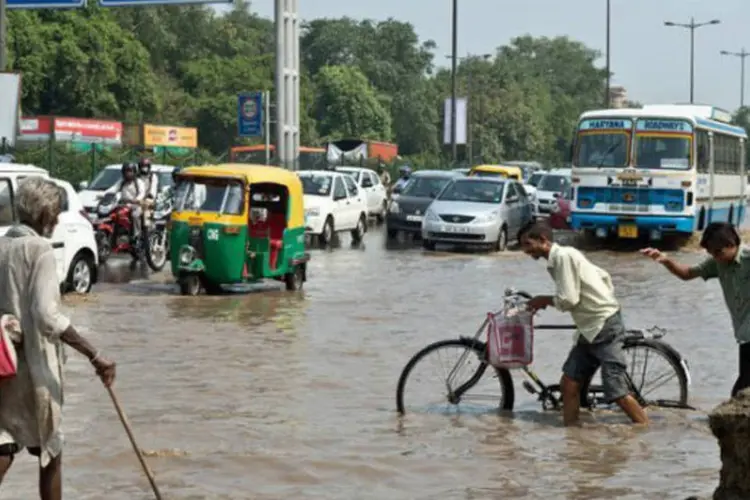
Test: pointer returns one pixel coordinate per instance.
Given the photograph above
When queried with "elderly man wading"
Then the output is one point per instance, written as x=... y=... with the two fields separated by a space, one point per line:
x=31 y=402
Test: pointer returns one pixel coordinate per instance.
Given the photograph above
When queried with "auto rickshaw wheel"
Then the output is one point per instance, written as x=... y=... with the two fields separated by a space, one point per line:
x=190 y=285
x=295 y=279
x=210 y=287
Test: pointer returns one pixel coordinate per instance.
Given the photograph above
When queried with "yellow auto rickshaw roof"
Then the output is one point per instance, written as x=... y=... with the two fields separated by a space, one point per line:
x=500 y=169
x=251 y=173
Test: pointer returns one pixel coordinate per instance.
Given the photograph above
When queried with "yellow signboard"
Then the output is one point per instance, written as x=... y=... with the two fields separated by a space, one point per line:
x=178 y=137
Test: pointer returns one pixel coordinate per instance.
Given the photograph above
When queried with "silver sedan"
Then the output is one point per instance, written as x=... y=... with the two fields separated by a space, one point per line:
x=477 y=211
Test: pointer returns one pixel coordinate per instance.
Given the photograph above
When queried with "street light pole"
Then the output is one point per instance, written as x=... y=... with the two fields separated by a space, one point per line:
x=469 y=95
x=692 y=26
x=742 y=54
x=608 y=97
x=454 y=59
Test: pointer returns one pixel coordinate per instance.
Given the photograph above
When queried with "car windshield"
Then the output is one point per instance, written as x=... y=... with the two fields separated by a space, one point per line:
x=316 y=184
x=105 y=179
x=209 y=195
x=609 y=149
x=425 y=187
x=165 y=179
x=554 y=183
x=534 y=179
x=473 y=191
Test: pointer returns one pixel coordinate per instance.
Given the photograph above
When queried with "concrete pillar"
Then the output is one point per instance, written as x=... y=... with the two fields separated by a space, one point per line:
x=287 y=82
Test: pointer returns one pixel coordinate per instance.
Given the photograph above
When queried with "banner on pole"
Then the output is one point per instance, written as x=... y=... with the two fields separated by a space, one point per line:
x=461 y=129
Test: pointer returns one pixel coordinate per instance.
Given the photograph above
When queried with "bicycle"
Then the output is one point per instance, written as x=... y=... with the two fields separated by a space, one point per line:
x=648 y=341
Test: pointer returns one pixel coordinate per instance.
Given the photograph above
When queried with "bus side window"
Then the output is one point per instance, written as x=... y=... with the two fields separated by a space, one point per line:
x=703 y=152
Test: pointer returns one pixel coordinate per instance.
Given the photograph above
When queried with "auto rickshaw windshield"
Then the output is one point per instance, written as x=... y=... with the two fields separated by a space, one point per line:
x=201 y=194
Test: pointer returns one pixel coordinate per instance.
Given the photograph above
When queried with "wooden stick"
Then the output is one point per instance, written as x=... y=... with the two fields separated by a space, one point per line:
x=129 y=431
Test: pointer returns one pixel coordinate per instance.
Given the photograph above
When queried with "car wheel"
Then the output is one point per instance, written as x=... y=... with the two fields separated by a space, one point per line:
x=326 y=236
x=81 y=274
x=359 y=232
x=502 y=240
x=381 y=216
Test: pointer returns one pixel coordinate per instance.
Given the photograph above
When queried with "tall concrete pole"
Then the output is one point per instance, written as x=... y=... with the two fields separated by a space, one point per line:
x=3 y=35
x=287 y=82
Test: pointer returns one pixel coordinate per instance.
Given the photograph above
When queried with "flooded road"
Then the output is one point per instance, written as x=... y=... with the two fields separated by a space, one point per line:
x=282 y=395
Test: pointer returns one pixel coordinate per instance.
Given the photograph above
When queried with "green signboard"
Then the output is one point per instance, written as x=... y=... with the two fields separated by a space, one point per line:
x=174 y=151
x=86 y=147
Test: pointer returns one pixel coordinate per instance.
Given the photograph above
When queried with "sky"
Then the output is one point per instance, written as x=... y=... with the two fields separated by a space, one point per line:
x=650 y=60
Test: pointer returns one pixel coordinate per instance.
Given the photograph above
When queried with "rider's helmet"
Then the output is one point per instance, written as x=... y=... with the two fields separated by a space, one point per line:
x=128 y=167
x=144 y=167
x=404 y=171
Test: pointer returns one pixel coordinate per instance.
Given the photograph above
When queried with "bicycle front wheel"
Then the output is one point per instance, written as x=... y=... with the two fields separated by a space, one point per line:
x=656 y=374
x=452 y=376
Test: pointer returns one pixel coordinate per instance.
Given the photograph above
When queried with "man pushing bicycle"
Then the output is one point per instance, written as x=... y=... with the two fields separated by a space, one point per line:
x=586 y=292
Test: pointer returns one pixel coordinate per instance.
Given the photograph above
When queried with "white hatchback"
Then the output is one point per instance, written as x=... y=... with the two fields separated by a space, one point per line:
x=333 y=203
x=73 y=240
x=369 y=182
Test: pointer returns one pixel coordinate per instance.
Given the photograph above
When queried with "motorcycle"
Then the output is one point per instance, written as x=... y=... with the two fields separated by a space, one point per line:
x=113 y=234
x=158 y=236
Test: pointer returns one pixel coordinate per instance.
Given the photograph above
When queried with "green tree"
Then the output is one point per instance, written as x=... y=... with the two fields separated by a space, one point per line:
x=346 y=106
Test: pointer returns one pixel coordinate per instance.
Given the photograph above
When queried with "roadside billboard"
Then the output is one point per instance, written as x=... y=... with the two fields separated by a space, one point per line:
x=177 y=137
x=10 y=107
x=36 y=128
x=86 y=130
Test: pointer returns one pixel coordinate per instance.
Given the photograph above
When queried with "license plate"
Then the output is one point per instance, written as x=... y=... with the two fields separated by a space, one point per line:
x=627 y=231
x=414 y=218
x=456 y=229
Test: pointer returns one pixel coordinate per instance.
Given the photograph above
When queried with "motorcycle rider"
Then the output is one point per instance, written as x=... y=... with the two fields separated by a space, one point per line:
x=148 y=178
x=133 y=192
x=404 y=176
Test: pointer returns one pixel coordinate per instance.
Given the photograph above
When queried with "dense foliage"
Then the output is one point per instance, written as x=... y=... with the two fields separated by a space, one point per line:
x=374 y=79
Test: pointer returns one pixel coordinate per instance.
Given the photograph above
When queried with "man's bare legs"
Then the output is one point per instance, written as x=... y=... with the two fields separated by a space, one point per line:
x=5 y=463
x=50 y=480
x=570 y=390
x=633 y=410
x=572 y=404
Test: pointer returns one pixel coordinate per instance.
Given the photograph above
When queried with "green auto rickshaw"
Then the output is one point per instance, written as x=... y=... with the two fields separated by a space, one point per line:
x=237 y=223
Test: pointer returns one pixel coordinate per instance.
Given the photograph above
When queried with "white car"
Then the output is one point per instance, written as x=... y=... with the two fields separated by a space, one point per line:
x=106 y=179
x=73 y=238
x=333 y=203
x=553 y=184
x=369 y=182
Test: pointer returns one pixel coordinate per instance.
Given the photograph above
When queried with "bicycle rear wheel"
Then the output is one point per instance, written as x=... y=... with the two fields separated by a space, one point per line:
x=656 y=373
x=462 y=385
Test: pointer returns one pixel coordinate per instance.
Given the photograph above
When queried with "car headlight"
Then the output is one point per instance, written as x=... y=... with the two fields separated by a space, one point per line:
x=187 y=255
x=312 y=212
x=430 y=215
x=487 y=217
x=394 y=208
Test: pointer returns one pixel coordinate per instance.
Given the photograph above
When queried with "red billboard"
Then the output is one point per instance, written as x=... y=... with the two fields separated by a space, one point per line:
x=85 y=130
x=39 y=128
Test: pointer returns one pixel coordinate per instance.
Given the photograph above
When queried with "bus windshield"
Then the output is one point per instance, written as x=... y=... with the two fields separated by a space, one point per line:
x=602 y=149
x=663 y=144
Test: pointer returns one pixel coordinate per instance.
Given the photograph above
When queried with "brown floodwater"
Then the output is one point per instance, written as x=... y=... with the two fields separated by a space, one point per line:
x=280 y=395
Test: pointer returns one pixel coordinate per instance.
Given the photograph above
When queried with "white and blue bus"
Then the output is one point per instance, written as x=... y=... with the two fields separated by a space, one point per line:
x=659 y=170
